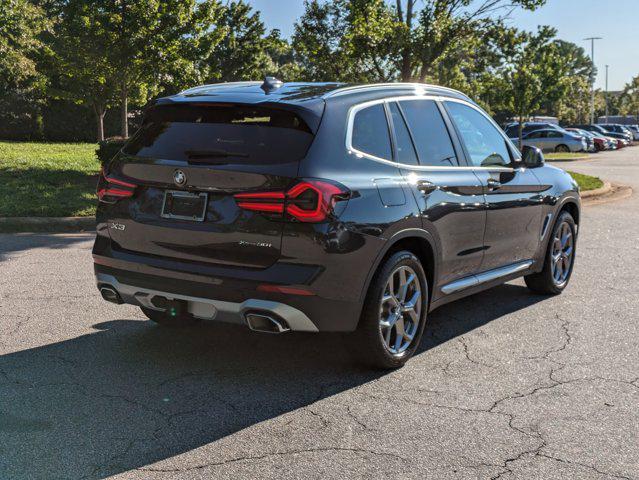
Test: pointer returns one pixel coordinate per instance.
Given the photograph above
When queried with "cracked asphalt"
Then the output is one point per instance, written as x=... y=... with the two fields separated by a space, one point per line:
x=506 y=384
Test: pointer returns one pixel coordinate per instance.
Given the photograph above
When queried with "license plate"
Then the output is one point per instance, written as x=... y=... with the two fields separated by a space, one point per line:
x=184 y=205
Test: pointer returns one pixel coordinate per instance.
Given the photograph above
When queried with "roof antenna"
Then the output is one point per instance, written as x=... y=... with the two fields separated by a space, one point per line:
x=270 y=84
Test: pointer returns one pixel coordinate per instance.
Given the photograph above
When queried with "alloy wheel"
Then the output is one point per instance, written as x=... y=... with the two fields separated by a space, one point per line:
x=563 y=249
x=400 y=310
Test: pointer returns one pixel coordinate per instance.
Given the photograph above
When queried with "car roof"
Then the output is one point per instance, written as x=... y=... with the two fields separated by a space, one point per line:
x=301 y=93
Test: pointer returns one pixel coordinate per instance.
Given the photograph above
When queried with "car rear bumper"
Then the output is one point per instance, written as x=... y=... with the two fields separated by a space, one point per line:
x=224 y=294
x=284 y=316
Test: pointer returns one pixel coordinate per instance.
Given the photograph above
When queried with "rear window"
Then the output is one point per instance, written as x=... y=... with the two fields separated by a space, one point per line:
x=221 y=134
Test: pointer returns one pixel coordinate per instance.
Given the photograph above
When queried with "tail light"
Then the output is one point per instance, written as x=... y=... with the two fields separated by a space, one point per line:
x=110 y=189
x=309 y=201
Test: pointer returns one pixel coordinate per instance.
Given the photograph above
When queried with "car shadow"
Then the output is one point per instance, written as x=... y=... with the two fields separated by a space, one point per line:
x=132 y=393
x=15 y=243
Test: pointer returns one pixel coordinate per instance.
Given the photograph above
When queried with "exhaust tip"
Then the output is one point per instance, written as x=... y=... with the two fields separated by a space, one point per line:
x=262 y=322
x=110 y=294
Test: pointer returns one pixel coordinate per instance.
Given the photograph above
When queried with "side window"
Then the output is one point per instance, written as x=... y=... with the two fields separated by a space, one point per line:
x=535 y=135
x=404 y=144
x=370 y=132
x=554 y=135
x=434 y=146
x=484 y=143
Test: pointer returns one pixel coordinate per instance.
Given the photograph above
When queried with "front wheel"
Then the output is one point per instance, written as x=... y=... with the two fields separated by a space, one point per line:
x=559 y=260
x=394 y=315
x=562 y=149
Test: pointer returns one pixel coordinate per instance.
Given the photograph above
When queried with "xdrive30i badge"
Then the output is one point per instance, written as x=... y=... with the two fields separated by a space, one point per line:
x=179 y=177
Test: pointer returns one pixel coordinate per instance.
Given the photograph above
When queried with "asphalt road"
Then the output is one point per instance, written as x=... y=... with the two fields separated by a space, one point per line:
x=506 y=385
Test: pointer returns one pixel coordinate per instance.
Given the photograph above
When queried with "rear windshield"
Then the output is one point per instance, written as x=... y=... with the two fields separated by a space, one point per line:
x=221 y=134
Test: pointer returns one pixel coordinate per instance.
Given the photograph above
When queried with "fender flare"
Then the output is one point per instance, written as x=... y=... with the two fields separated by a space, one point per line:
x=391 y=242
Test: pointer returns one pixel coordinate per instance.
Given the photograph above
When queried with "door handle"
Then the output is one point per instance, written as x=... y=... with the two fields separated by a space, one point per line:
x=493 y=184
x=426 y=187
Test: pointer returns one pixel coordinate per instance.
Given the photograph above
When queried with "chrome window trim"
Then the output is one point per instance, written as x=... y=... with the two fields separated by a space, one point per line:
x=352 y=112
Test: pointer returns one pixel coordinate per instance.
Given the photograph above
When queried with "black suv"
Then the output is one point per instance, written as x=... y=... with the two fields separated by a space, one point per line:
x=325 y=207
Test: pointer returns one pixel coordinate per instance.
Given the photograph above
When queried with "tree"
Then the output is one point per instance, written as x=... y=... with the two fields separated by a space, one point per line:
x=132 y=48
x=533 y=73
x=20 y=82
x=629 y=99
x=574 y=106
x=372 y=40
x=76 y=63
x=245 y=50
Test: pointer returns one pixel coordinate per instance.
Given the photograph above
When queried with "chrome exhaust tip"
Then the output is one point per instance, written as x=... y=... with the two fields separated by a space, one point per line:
x=110 y=294
x=265 y=323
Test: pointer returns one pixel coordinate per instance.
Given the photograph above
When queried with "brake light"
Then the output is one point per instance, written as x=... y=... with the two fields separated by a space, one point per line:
x=271 y=202
x=309 y=201
x=111 y=189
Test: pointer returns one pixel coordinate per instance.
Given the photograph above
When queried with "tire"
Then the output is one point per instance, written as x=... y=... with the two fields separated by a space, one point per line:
x=166 y=320
x=553 y=280
x=562 y=149
x=369 y=342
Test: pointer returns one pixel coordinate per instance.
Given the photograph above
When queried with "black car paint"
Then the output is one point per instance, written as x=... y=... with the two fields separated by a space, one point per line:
x=463 y=225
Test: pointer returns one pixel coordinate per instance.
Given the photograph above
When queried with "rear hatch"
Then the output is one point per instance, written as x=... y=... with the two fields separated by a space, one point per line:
x=187 y=163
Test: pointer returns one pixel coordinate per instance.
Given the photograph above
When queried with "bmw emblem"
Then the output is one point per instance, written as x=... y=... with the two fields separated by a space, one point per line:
x=179 y=178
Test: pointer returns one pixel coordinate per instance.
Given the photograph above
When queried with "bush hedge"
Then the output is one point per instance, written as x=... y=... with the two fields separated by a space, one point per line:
x=108 y=148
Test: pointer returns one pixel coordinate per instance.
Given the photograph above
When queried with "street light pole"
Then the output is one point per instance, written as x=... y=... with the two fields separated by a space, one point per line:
x=607 y=121
x=592 y=80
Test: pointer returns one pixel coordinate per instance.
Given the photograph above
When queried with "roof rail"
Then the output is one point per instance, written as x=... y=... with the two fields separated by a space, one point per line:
x=388 y=86
x=218 y=85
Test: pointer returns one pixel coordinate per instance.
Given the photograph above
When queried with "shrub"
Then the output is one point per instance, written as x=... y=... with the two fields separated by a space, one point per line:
x=108 y=148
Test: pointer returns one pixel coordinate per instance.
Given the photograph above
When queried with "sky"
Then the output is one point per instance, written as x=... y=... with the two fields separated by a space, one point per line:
x=617 y=21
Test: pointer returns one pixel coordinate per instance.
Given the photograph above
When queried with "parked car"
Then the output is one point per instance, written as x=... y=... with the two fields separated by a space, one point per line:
x=620 y=129
x=611 y=143
x=512 y=129
x=634 y=129
x=326 y=207
x=553 y=140
x=595 y=144
x=599 y=129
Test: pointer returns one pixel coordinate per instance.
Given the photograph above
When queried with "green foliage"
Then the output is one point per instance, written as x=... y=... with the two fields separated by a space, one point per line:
x=372 y=40
x=628 y=102
x=108 y=148
x=21 y=83
x=48 y=180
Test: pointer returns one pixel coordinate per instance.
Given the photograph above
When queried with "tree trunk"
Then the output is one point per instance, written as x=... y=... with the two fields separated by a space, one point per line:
x=407 y=64
x=521 y=131
x=99 y=117
x=124 y=111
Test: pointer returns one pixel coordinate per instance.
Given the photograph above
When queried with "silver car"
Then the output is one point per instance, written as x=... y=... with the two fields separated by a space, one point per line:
x=553 y=140
x=634 y=129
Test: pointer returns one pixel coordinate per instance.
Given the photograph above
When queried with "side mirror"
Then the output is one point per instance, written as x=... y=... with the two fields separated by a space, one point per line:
x=532 y=157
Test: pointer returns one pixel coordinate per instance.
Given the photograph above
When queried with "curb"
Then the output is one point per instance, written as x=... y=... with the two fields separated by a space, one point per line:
x=598 y=192
x=568 y=160
x=602 y=195
x=46 y=224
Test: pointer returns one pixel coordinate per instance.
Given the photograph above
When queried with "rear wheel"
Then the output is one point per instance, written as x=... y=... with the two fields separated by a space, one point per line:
x=559 y=260
x=167 y=320
x=562 y=149
x=394 y=314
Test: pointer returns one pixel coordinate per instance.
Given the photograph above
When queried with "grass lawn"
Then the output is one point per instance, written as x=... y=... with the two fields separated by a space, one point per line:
x=47 y=179
x=586 y=182
x=565 y=156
